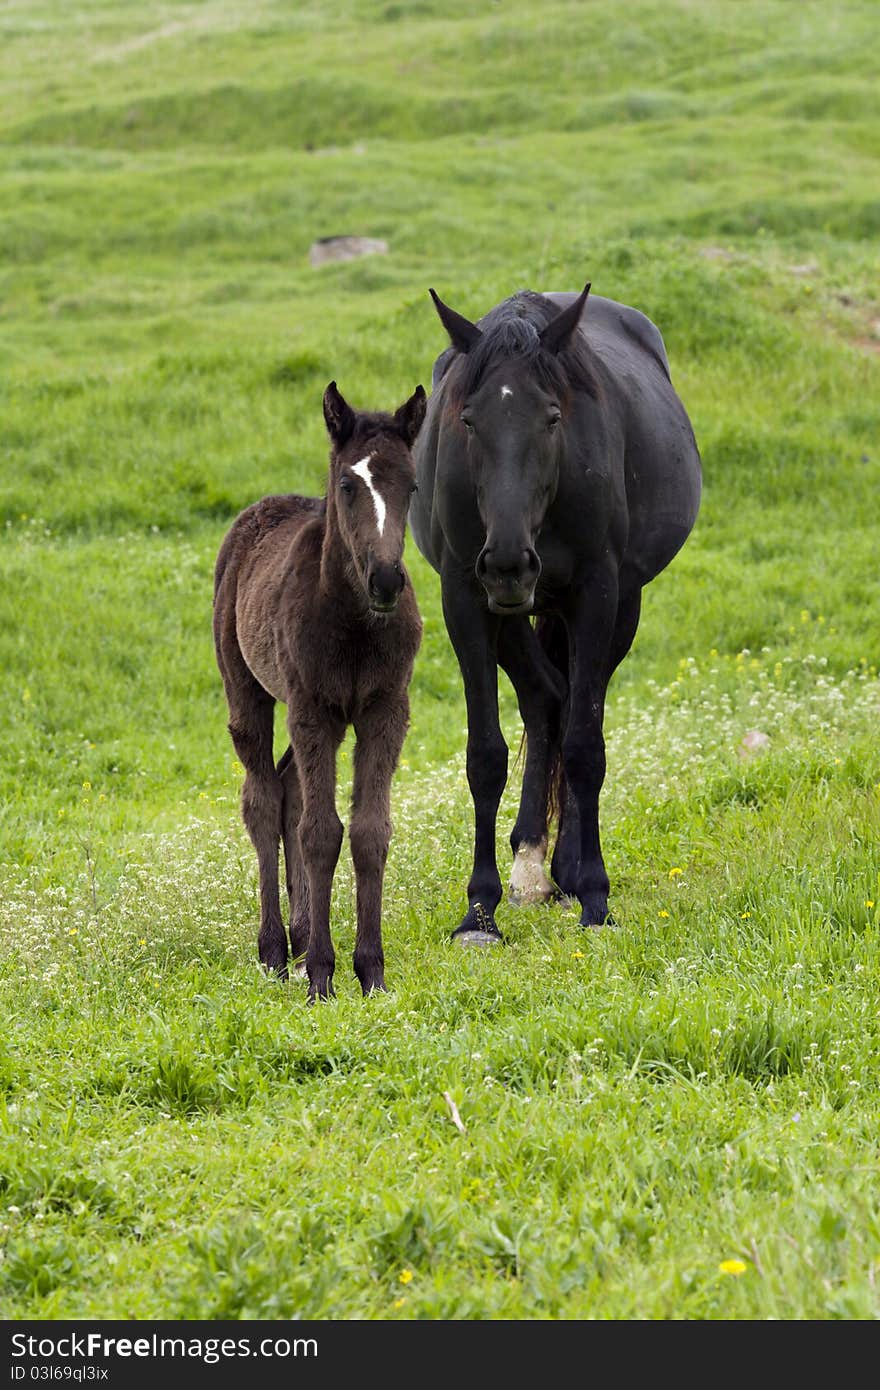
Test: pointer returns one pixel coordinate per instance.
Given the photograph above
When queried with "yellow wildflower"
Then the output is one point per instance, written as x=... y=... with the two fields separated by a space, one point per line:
x=577 y=955
x=663 y=912
x=736 y=1267
x=405 y=1276
x=673 y=873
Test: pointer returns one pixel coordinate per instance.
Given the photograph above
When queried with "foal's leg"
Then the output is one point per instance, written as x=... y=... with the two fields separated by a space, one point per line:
x=251 y=726
x=539 y=691
x=297 y=881
x=380 y=731
x=315 y=737
x=473 y=633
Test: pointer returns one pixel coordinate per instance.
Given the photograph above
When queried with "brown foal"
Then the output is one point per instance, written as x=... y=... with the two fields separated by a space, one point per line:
x=313 y=607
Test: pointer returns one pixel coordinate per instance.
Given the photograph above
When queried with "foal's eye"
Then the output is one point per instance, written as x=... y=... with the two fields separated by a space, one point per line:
x=346 y=486
x=467 y=424
x=552 y=422
x=413 y=487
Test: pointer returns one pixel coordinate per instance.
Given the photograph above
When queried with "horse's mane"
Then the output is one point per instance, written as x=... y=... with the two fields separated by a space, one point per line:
x=369 y=423
x=513 y=329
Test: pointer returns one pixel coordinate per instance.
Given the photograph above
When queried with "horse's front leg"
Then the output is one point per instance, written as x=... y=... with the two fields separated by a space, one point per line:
x=315 y=738
x=540 y=689
x=380 y=730
x=591 y=626
x=473 y=632
x=297 y=880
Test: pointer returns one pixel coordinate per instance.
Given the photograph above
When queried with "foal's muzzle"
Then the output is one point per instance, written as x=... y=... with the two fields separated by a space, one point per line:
x=509 y=578
x=385 y=584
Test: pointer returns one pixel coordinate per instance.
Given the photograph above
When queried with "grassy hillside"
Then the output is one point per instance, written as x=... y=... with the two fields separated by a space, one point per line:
x=697 y=1087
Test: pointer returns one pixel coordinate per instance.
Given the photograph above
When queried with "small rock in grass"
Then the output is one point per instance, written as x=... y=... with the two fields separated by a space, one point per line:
x=345 y=248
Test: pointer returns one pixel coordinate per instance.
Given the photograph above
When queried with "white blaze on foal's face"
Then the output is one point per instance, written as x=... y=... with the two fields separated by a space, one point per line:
x=362 y=469
x=506 y=391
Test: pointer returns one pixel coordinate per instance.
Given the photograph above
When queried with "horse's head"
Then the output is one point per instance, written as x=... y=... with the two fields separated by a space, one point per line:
x=372 y=478
x=506 y=411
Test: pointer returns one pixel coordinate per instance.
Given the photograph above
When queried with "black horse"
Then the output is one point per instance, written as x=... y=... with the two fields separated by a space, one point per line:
x=557 y=475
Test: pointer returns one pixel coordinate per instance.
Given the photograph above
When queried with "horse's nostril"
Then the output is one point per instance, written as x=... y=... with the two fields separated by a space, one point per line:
x=385 y=584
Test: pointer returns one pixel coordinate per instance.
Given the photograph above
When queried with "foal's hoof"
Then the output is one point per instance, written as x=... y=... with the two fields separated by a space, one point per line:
x=563 y=899
x=275 y=972
x=321 y=990
x=273 y=956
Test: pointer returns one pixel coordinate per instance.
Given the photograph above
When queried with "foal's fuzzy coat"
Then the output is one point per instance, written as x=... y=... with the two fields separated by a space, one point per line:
x=312 y=607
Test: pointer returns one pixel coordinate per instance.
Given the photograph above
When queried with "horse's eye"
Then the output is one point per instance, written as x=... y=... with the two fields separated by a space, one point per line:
x=346 y=486
x=553 y=422
x=467 y=424
x=413 y=487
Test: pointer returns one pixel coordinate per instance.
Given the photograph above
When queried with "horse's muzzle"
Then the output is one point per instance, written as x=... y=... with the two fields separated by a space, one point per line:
x=509 y=580
x=385 y=584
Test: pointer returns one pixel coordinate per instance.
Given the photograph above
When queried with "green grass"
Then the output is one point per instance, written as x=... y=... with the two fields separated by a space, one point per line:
x=181 y=1137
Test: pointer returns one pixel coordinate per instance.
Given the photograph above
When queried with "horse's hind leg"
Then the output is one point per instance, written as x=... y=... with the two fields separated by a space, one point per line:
x=566 y=856
x=251 y=726
x=297 y=880
x=540 y=689
x=601 y=638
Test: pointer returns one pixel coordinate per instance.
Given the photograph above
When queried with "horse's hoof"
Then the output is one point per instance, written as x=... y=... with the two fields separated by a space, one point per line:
x=471 y=936
x=529 y=883
x=607 y=921
x=300 y=971
x=529 y=897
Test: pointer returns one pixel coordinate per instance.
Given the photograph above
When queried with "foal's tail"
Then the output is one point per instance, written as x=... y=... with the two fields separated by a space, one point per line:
x=553 y=639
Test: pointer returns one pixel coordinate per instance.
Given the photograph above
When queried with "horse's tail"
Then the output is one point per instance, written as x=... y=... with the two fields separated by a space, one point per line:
x=553 y=638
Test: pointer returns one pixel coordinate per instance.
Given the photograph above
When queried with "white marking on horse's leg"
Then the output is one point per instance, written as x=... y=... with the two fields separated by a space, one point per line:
x=362 y=468
x=528 y=881
x=506 y=391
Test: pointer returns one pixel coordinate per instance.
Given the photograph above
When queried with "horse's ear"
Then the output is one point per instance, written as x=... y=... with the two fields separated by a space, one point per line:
x=560 y=329
x=338 y=416
x=462 y=333
x=410 y=415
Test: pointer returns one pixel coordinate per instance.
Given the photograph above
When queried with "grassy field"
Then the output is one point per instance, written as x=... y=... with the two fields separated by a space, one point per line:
x=674 y=1119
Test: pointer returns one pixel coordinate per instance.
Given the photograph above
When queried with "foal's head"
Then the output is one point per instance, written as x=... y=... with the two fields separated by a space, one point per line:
x=372 y=479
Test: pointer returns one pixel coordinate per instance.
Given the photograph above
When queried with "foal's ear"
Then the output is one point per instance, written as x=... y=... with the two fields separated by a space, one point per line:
x=338 y=416
x=463 y=334
x=410 y=415
x=560 y=329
